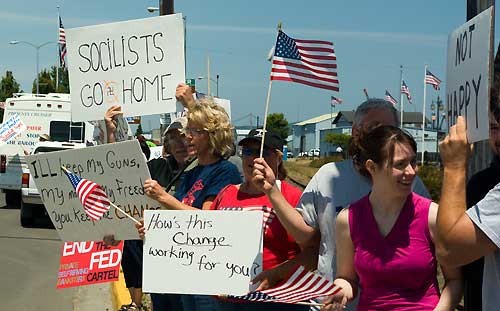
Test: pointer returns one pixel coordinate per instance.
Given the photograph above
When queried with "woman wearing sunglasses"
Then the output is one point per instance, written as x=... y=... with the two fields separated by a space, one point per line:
x=278 y=245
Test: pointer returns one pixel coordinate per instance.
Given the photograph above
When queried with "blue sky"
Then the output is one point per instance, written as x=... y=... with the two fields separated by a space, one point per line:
x=372 y=39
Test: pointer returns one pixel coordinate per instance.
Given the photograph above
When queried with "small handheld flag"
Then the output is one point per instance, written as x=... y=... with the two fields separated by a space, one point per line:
x=310 y=62
x=302 y=286
x=432 y=80
x=389 y=98
x=95 y=201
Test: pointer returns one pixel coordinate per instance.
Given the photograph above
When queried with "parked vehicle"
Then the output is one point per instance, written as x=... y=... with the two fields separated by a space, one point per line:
x=313 y=152
x=302 y=154
x=289 y=154
x=42 y=114
x=31 y=202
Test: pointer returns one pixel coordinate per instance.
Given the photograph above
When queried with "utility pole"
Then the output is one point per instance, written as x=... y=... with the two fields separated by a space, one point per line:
x=166 y=8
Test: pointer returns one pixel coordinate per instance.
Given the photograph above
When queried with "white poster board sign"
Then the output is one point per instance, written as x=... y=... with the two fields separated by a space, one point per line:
x=119 y=168
x=12 y=127
x=136 y=64
x=468 y=75
x=201 y=252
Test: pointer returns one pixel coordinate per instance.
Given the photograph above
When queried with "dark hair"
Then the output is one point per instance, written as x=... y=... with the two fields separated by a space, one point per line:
x=377 y=142
x=145 y=149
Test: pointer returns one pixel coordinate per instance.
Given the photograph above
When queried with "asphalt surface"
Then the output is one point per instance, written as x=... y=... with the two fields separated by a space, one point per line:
x=29 y=264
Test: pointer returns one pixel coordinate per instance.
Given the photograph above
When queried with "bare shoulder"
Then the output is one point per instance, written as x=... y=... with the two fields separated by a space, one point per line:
x=433 y=210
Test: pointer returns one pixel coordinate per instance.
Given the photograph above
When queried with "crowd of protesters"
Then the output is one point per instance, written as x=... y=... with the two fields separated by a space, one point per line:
x=367 y=223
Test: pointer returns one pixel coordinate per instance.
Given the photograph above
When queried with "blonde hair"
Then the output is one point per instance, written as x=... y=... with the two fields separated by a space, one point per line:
x=215 y=120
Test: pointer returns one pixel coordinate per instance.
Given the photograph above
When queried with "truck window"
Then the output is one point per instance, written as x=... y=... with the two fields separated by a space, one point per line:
x=62 y=131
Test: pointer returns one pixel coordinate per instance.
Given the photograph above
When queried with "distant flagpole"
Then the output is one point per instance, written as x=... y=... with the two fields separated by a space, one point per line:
x=400 y=88
x=423 y=115
x=58 y=48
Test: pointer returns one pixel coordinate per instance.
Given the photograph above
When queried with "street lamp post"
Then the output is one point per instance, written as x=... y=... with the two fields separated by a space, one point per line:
x=37 y=48
x=215 y=81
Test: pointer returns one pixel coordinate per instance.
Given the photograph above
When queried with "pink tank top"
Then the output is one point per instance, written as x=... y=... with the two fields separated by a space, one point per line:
x=398 y=271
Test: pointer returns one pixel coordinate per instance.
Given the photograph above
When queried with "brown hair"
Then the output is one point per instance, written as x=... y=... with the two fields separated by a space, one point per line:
x=282 y=173
x=377 y=142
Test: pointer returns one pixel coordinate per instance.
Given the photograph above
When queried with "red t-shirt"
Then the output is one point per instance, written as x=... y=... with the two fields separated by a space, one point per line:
x=279 y=246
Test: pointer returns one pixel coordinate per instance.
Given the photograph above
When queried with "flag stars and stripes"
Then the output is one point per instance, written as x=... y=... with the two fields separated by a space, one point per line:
x=432 y=80
x=405 y=90
x=390 y=98
x=309 y=62
x=302 y=286
x=94 y=200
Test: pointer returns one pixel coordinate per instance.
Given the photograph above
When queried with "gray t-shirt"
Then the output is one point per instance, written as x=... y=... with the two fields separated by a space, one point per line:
x=332 y=188
x=486 y=216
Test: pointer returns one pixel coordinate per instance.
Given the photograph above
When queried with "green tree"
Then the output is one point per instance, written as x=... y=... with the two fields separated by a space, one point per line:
x=338 y=139
x=8 y=86
x=278 y=123
x=47 y=81
x=138 y=131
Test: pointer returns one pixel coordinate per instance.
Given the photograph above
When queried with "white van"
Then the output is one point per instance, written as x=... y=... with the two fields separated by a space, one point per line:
x=42 y=114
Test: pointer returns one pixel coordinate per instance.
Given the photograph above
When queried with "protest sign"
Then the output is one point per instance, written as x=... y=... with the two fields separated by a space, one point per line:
x=119 y=168
x=201 y=252
x=469 y=75
x=12 y=127
x=85 y=263
x=136 y=64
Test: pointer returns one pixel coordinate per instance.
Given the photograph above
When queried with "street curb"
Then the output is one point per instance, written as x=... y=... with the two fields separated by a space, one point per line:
x=121 y=295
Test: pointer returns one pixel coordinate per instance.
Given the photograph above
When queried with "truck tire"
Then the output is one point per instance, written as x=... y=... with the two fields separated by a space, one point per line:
x=27 y=216
x=13 y=198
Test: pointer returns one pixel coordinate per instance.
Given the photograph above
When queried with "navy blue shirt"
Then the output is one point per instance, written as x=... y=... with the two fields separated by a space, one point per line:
x=206 y=180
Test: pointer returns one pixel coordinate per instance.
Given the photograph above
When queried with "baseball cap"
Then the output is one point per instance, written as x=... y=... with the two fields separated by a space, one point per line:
x=177 y=124
x=272 y=139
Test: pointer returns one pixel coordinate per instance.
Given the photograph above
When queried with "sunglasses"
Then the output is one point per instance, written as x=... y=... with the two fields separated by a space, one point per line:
x=193 y=131
x=248 y=152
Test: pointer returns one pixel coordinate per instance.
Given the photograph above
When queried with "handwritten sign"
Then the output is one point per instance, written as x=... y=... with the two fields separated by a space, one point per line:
x=119 y=168
x=12 y=127
x=469 y=75
x=85 y=263
x=201 y=252
x=136 y=64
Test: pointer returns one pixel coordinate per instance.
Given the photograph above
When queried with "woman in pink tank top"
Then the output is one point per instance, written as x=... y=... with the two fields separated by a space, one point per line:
x=385 y=247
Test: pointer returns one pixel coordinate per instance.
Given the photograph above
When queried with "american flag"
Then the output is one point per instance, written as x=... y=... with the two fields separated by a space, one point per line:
x=335 y=101
x=406 y=90
x=95 y=201
x=62 y=44
x=301 y=286
x=432 y=79
x=268 y=214
x=389 y=98
x=310 y=62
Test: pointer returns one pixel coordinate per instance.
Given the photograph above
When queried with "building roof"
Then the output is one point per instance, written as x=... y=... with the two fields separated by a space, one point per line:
x=317 y=119
x=408 y=117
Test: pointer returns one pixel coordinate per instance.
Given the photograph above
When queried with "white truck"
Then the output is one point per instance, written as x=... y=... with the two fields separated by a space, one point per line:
x=31 y=201
x=42 y=114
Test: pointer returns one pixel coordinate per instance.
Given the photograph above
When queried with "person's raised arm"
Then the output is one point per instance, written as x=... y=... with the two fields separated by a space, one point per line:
x=111 y=122
x=290 y=218
x=184 y=94
x=458 y=241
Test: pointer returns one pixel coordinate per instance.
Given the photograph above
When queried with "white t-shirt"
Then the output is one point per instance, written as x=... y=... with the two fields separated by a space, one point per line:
x=486 y=216
x=332 y=188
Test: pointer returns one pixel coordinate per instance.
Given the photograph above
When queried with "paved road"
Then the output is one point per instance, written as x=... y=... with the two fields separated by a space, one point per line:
x=29 y=263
